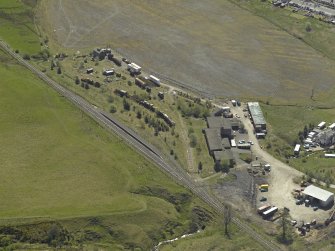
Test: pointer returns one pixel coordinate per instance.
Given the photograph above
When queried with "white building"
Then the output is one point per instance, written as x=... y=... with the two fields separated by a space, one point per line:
x=134 y=68
x=155 y=80
x=324 y=197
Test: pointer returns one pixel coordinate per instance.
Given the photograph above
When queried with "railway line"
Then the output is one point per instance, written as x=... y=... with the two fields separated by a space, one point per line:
x=136 y=142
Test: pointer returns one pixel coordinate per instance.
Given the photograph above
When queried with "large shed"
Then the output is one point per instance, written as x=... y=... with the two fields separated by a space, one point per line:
x=257 y=116
x=324 y=197
x=213 y=139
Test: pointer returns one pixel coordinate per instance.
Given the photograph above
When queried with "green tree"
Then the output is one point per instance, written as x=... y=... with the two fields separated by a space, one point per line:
x=227 y=216
x=126 y=105
x=139 y=115
x=193 y=141
x=77 y=81
x=112 y=109
x=200 y=167
x=217 y=166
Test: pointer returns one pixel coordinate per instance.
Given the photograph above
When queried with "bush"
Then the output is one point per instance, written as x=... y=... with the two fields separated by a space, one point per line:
x=112 y=109
x=308 y=27
x=110 y=99
x=193 y=141
x=26 y=57
x=77 y=81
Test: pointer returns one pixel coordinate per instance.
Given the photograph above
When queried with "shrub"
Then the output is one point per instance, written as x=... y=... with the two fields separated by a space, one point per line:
x=308 y=27
x=112 y=109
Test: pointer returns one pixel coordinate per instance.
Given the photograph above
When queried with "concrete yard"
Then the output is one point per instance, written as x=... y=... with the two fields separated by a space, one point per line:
x=213 y=47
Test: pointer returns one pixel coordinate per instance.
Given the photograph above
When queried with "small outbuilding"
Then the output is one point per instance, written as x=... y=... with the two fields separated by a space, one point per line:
x=319 y=195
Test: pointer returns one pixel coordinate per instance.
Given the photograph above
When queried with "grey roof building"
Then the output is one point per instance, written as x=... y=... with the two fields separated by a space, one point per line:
x=225 y=155
x=224 y=125
x=213 y=139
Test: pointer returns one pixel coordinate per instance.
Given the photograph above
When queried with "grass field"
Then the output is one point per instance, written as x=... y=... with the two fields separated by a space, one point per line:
x=213 y=47
x=17 y=26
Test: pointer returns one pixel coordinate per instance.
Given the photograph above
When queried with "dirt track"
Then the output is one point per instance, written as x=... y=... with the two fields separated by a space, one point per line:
x=213 y=47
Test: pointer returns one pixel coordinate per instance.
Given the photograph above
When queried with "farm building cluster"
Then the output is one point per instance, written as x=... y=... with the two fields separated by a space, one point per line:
x=321 y=137
x=218 y=137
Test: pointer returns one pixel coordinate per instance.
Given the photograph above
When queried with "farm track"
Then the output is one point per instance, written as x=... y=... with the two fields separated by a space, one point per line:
x=133 y=140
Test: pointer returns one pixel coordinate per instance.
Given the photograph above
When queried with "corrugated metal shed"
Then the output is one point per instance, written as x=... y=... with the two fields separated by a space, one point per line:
x=318 y=193
x=256 y=113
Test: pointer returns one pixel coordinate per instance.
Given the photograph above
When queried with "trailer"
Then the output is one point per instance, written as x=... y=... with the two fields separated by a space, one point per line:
x=155 y=80
x=116 y=61
x=140 y=83
x=270 y=212
x=329 y=155
x=332 y=126
x=297 y=149
x=321 y=125
x=233 y=143
x=262 y=209
x=108 y=72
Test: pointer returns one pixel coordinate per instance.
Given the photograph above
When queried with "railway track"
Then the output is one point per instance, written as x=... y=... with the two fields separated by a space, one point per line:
x=136 y=142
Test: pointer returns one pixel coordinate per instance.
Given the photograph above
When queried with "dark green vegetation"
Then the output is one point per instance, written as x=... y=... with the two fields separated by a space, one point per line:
x=57 y=163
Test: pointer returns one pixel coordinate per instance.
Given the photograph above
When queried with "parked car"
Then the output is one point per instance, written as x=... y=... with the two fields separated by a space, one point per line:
x=263 y=199
x=315 y=208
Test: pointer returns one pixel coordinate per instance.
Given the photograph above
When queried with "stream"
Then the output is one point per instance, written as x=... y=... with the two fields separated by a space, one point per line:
x=156 y=248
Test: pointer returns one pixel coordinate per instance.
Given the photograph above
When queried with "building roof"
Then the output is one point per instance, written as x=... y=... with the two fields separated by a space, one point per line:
x=223 y=155
x=214 y=122
x=213 y=137
x=317 y=193
x=226 y=143
x=256 y=113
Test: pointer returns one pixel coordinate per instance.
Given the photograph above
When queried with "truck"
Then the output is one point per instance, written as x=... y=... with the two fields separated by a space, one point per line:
x=267 y=167
x=264 y=186
x=155 y=80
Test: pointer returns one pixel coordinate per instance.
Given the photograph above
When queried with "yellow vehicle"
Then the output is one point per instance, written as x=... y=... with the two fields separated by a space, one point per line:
x=264 y=186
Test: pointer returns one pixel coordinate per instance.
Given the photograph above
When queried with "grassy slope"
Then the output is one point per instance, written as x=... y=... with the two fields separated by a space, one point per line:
x=213 y=239
x=56 y=162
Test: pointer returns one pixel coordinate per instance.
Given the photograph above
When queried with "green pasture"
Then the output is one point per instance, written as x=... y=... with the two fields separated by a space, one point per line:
x=17 y=26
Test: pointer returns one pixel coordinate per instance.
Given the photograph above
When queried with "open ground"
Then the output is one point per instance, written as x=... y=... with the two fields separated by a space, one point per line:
x=213 y=47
